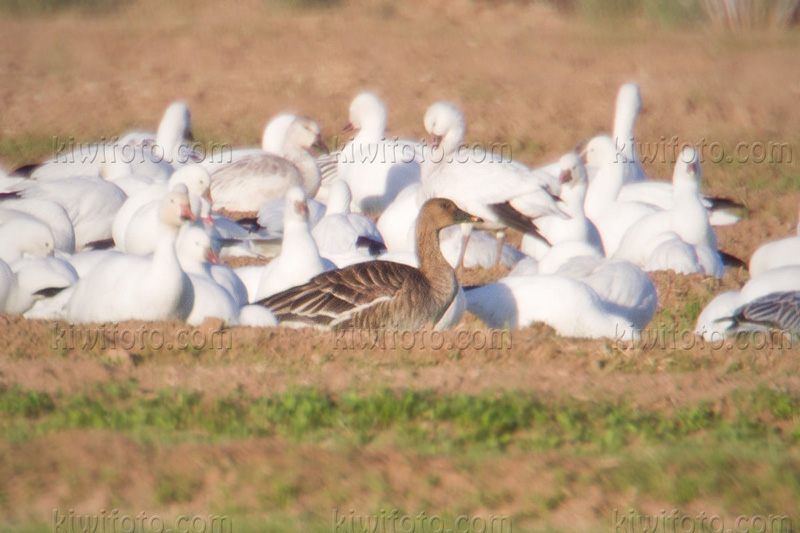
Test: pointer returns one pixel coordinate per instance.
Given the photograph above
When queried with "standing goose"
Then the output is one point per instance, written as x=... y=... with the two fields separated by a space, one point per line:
x=379 y=294
x=251 y=182
x=376 y=169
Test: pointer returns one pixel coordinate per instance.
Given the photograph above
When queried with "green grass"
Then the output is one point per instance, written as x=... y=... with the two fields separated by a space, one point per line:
x=424 y=421
x=39 y=7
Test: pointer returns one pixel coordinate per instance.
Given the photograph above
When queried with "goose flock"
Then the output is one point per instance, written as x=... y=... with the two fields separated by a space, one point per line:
x=370 y=236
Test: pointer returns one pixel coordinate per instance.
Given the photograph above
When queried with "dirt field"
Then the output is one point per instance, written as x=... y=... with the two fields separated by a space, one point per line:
x=277 y=429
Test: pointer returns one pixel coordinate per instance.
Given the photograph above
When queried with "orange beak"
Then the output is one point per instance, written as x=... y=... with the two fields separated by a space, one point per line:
x=186 y=213
x=212 y=257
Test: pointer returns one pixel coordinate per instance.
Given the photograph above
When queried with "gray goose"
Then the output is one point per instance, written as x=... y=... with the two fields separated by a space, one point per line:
x=380 y=294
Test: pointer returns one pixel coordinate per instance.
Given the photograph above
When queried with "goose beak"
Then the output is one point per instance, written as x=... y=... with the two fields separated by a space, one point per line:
x=211 y=257
x=319 y=145
x=436 y=140
x=348 y=127
x=190 y=136
x=301 y=208
x=208 y=220
x=464 y=217
x=565 y=177
x=580 y=149
x=186 y=213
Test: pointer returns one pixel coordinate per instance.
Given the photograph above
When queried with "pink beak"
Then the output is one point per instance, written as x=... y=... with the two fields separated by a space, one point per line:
x=186 y=212
x=212 y=257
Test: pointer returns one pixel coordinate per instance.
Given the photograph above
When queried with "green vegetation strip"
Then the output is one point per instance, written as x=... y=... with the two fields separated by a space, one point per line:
x=428 y=421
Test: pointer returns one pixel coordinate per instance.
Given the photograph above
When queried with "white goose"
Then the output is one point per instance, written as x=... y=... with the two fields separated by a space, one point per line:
x=249 y=183
x=375 y=169
x=53 y=215
x=128 y=287
x=567 y=305
x=629 y=103
x=344 y=237
x=299 y=260
x=611 y=217
x=577 y=227
x=23 y=235
x=716 y=321
x=91 y=203
x=29 y=281
x=688 y=220
x=139 y=234
x=148 y=154
x=776 y=254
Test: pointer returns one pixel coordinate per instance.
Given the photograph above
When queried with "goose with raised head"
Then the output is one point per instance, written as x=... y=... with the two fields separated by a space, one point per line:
x=611 y=217
x=299 y=260
x=344 y=237
x=629 y=103
x=688 y=220
x=152 y=155
x=577 y=227
x=251 y=182
x=376 y=169
x=378 y=294
x=126 y=287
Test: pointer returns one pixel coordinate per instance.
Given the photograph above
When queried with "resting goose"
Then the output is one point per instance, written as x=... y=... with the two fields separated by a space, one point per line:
x=251 y=182
x=53 y=214
x=125 y=287
x=776 y=254
x=23 y=235
x=718 y=319
x=379 y=294
x=688 y=220
x=299 y=260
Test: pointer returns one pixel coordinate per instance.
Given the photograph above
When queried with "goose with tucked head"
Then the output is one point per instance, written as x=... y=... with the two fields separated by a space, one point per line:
x=380 y=294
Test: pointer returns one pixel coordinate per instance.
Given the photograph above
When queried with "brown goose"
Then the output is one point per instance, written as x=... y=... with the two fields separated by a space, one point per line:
x=379 y=294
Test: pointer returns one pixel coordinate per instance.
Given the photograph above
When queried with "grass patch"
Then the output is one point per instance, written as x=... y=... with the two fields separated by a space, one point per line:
x=425 y=421
x=44 y=7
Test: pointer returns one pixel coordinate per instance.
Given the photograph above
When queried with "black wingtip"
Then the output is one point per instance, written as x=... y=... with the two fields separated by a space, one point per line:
x=48 y=292
x=516 y=220
x=102 y=244
x=732 y=261
x=374 y=247
x=719 y=203
x=10 y=196
x=25 y=171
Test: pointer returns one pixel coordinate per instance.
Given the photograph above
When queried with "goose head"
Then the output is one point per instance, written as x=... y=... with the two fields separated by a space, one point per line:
x=339 y=198
x=196 y=179
x=175 y=208
x=275 y=133
x=296 y=207
x=439 y=213
x=687 y=170
x=445 y=124
x=573 y=179
x=175 y=126
x=368 y=114
x=598 y=152
x=25 y=236
x=305 y=133
x=194 y=247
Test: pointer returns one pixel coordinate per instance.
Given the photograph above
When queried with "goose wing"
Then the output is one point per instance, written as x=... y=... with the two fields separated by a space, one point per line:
x=364 y=294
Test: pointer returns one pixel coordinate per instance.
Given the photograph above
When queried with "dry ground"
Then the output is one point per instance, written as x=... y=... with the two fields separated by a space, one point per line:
x=523 y=75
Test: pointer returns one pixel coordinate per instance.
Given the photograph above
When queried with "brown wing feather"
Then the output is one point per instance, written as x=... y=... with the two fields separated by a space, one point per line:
x=364 y=294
